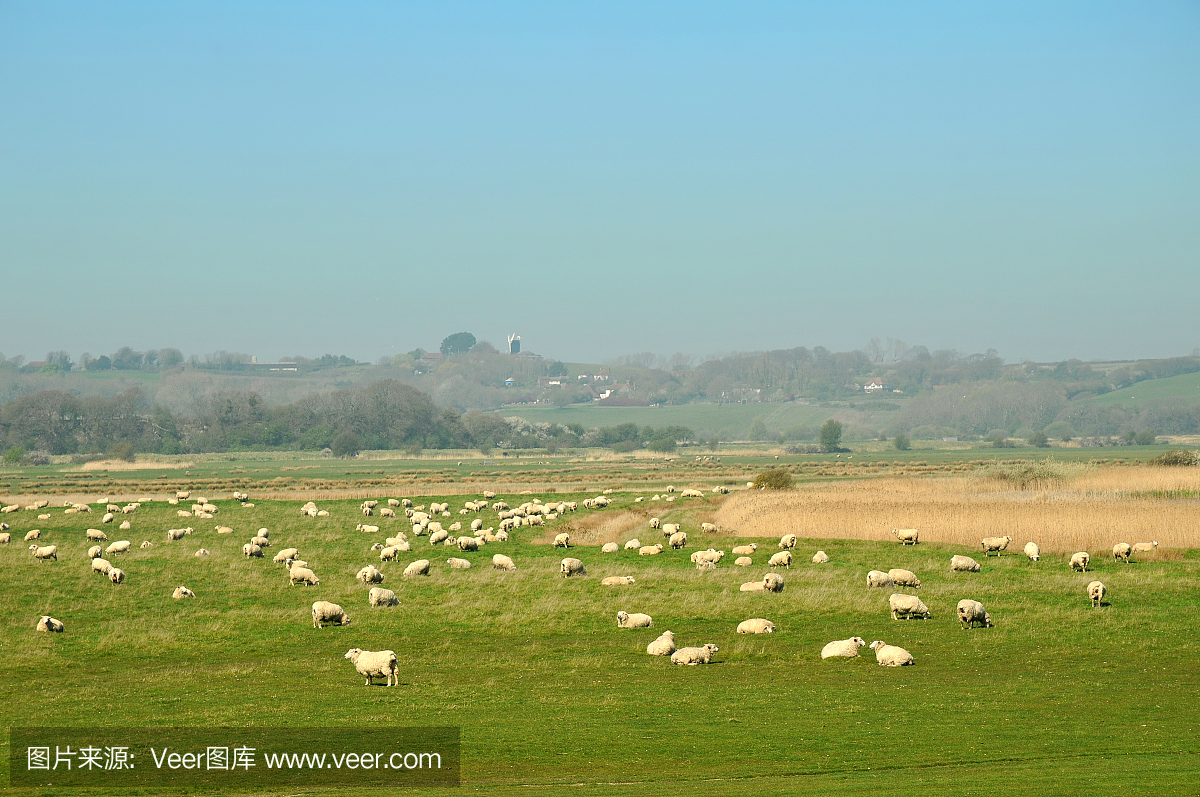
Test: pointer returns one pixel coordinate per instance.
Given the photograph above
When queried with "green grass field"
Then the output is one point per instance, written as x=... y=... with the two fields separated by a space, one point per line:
x=1058 y=698
x=1184 y=386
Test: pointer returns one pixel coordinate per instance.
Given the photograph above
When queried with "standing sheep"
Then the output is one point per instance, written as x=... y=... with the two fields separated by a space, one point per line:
x=963 y=564
x=304 y=576
x=637 y=620
x=42 y=553
x=35 y=534
x=5 y=538
x=285 y=554
x=904 y=578
x=326 y=613
x=787 y=541
x=375 y=664
x=120 y=546
x=250 y=549
x=655 y=523
x=878 y=578
x=502 y=562
x=1080 y=560
x=468 y=543
x=1097 y=592
x=678 y=540
x=906 y=536
x=756 y=626
x=843 y=648
x=1121 y=551
x=378 y=596
x=369 y=575
x=562 y=540
x=572 y=567
x=890 y=655
x=694 y=656
x=971 y=613
x=907 y=605
x=663 y=646
x=1033 y=551
x=116 y=575
x=781 y=559
x=995 y=544
x=95 y=552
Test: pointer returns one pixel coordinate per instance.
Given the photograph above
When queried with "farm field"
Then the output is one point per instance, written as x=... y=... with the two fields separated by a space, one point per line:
x=1057 y=698
x=1183 y=386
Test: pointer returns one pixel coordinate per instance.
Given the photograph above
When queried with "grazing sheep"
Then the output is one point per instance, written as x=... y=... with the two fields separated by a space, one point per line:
x=458 y=564
x=787 y=541
x=637 y=620
x=5 y=538
x=468 y=543
x=182 y=592
x=250 y=549
x=202 y=552
x=439 y=536
x=502 y=562
x=995 y=544
x=843 y=648
x=781 y=559
x=963 y=564
x=616 y=581
x=417 y=568
x=389 y=554
x=906 y=536
x=820 y=558
x=175 y=534
x=369 y=575
x=96 y=534
x=304 y=576
x=610 y=547
x=378 y=596
x=663 y=646
x=633 y=544
x=120 y=546
x=562 y=540
x=971 y=612
x=678 y=540
x=890 y=655
x=326 y=613
x=756 y=626
x=291 y=563
x=655 y=522
x=285 y=554
x=878 y=578
x=1144 y=547
x=1080 y=560
x=49 y=624
x=375 y=664
x=650 y=550
x=907 y=605
x=261 y=542
x=35 y=534
x=108 y=517
x=1097 y=591
x=669 y=528
x=708 y=528
x=904 y=578
x=42 y=553
x=116 y=575
x=743 y=561
x=1122 y=550
x=1032 y=551
x=745 y=550
x=572 y=567
x=101 y=566
x=694 y=656
x=707 y=556
x=95 y=552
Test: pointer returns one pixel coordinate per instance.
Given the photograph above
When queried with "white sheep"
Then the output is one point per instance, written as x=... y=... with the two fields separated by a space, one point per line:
x=468 y=543
x=694 y=656
x=101 y=566
x=669 y=528
x=890 y=655
x=375 y=664
x=878 y=578
x=781 y=559
x=369 y=575
x=458 y=564
x=378 y=596
x=743 y=561
x=572 y=567
x=250 y=549
x=1097 y=591
x=120 y=546
x=5 y=538
x=562 y=540
x=224 y=530
x=664 y=645
x=963 y=564
x=610 y=547
x=1080 y=560
x=97 y=535
x=906 y=536
x=650 y=550
x=146 y=544
x=756 y=626
x=35 y=534
x=49 y=624
x=995 y=544
x=904 y=578
x=304 y=576
x=908 y=606
x=175 y=534
x=771 y=582
x=787 y=541
x=285 y=554
x=202 y=552
x=116 y=575
x=636 y=620
x=971 y=613
x=1121 y=551
x=710 y=555
x=95 y=552
x=633 y=544
x=820 y=558
x=182 y=592
x=502 y=562
x=418 y=568
x=678 y=540
x=326 y=613
x=691 y=494
x=261 y=542
x=745 y=550
x=616 y=581
x=1032 y=551
x=843 y=648
x=708 y=528
x=1144 y=547
x=42 y=553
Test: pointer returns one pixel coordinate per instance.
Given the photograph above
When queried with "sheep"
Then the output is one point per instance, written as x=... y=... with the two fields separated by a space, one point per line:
x=108 y=517
x=175 y=534
x=843 y=648
x=458 y=564
x=670 y=489
x=694 y=656
x=95 y=552
x=904 y=578
x=743 y=561
x=756 y=626
x=125 y=525
x=633 y=544
x=1032 y=551
x=707 y=556
x=418 y=568
x=678 y=540
x=388 y=512
x=820 y=558
x=468 y=543
x=1121 y=551
x=201 y=552
x=369 y=575
x=366 y=529
x=5 y=538
x=293 y=563
x=285 y=554
x=375 y=663
x=378 y=596
x=787 y=541
x=650 y=550
x=617 y=581
x=120 y=546
x=1144 y=547
x=250 y=549
x=562 y=540
x=439 y=536
x=116 y=575
x=708 y=528
x=745 y=550
x=771 y=582
x=146 y=544
x=610 y=547
x=101 y=566
x=389 y=554
x=963 y=564
x=664 y=645
x=691 y=494
x=42 y=553
x=906 y=536
x=304 y=576
x=572 y=567
x=890 y=655
x=995 y=544
x=668 y=529
x=501 y=536
x=49 y=624
x=477 y=524
x=35 y=534
x=781 y=559
x=1080 y=560
x=971 y=612
x=324 y=612
x=878 y=578
x=97 y=534
x=502 y=562
x=655 y=523
x=908 y=605
x=636 y=620
x=406 y=503
x=1097 y=591
x=182 y=592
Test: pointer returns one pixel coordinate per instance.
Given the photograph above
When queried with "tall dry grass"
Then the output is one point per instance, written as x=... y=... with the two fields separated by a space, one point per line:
x=1088 y=512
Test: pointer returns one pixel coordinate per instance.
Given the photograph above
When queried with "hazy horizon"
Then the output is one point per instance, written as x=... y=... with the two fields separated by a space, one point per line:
x=602 y=180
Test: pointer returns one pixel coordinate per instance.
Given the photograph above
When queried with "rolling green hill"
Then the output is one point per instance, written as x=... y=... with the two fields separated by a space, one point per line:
x=1184 y=386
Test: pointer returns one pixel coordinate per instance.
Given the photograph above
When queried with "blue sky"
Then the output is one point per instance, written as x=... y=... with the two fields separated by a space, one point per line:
x=602 y=178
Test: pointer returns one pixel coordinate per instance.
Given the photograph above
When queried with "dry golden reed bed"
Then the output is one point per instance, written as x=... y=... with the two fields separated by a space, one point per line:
x=1088 y=512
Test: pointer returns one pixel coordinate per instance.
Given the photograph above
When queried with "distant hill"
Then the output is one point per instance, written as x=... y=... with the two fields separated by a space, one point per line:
x=1184 y=386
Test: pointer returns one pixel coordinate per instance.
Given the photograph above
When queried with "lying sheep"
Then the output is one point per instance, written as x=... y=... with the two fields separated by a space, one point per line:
x=995 y=544
x=175 y=534
x=1144 y=547
x=691 y=494
x=745 y=550
x=963 y=564
x=116 y=575
x=843 y=648
x=125 y=525
x=781 y=559
x=101 y=566
x=502 y=562
x=182 y=592
x=756 y=626
x=146 y=544
x=637 y=620
x=633 y=544
x=971 y=613
x=1097 y=592
x=878 y=578
x=417 y=568
x=120 y=546
x=694 y=656
x=326 y=613
x=250 y=549
x=572 y=567
x=820 y=558
x=50 y=625
x=678 y=540
x=890 y=655
x=663 y=646
x=439 y=536
x=369 y=575
x=202 y=552
x=1032 y=551
x=908 y=606
x=304 y=576
x=906 y=536
x=42 y=553
x=224 y=530
x=650 y=550
x=743 y=561
x=771 y=582
x=562 y=540
x=458 y=564
x=1121 y=551
x=787 y=541
x=616 y=581
x=904 y=578
x=610 y=547
x=375 y=664
x=378 y=596
x=1080 y=560
x=5 y=538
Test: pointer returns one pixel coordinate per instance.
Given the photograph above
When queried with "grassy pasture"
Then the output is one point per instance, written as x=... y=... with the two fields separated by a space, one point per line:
x=1183 y=386
x=1058 y=698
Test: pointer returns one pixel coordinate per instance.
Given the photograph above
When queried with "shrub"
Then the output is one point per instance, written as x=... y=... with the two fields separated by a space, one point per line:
x=626 y=446
x=773 y=480
x=1024 y=475
x=14 y=455
x=345 y=444
x=1039 y=440
x=1061 y=430
x=1176 y=458
x=1145 y=437
x=758 y=429
x=663 y=445
x=122 y=451
x=901 y=442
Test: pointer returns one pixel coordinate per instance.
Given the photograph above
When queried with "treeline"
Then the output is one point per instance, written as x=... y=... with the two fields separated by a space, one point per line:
x=128 y=359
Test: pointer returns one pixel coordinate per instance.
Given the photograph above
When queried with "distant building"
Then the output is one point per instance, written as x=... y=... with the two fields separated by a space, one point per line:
x=514 y=344
x=875 y=385
x=603 y=375
x=509 y=382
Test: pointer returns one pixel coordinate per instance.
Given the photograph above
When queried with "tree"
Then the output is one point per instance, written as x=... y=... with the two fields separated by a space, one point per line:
x=346 y=444
x=14 y=455
x=758 y=429
x=458 y=343
x=556 y=368
x=831 y=435
x=901 y=442
x=1039 y=440
x=713 y=442
x=1146 y=437
x=778 y=479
